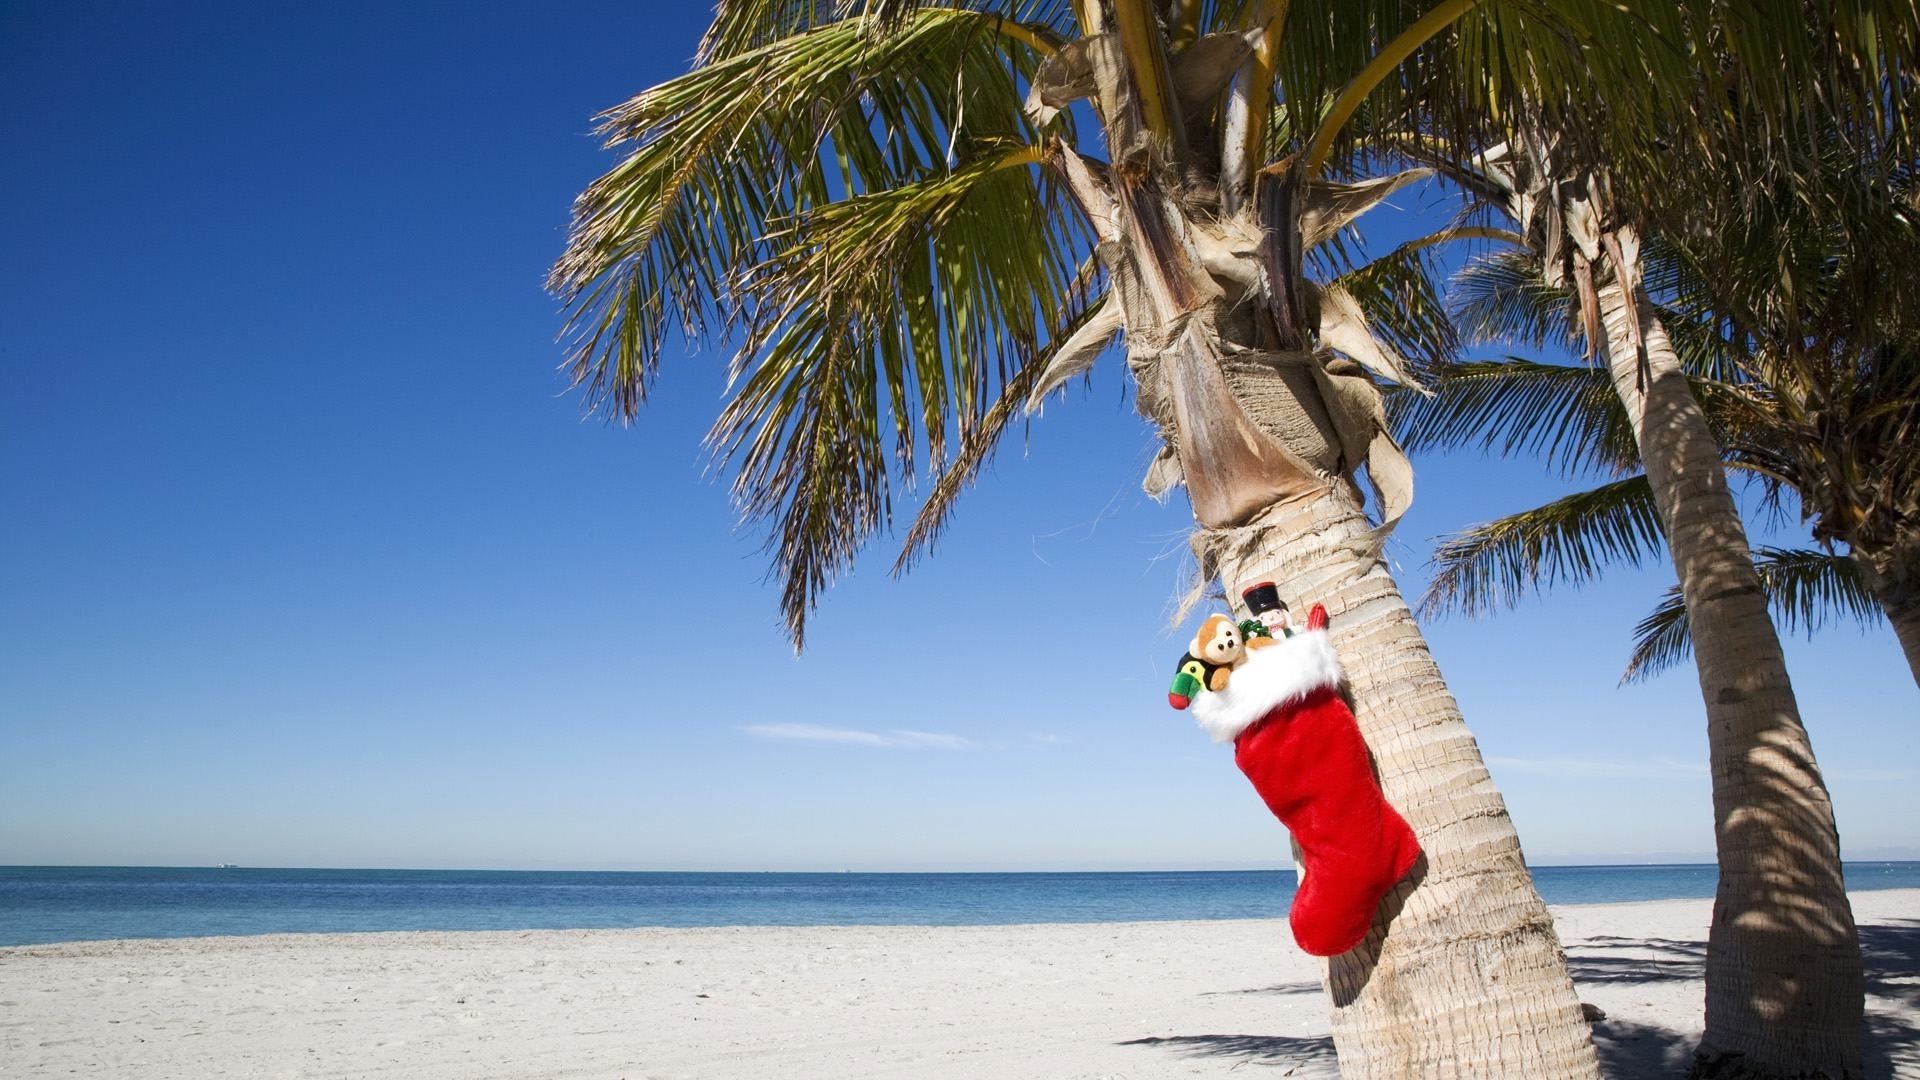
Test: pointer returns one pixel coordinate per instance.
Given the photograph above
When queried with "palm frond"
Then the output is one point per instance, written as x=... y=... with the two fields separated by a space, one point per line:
x=1400 y=294
x=889 y=318
x=1571 y=539
x=1806 y=590
x=1607 y=67
x=1501 y=296
x=1791 y=78
x=1660 y=640
x=978 y=445
x=721 y=154
x=1325 y=51
x=741 y=26
x=1137 y=24
x=1567 y=415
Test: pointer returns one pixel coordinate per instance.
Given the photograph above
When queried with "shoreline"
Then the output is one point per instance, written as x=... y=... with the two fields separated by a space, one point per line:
x=1068 y=1000
x=58 y=905
x=88 y=946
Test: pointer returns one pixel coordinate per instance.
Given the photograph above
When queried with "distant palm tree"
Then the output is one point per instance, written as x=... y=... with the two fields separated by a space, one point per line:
x=1813 y=393
x=893 y=208
x=1788 y=993
x=1569 y=415
x=1582 y=180
x=1807 y=287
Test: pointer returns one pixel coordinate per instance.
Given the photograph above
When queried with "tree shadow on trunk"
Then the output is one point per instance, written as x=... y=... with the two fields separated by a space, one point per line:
x=1783 y=960
x=1348 y=973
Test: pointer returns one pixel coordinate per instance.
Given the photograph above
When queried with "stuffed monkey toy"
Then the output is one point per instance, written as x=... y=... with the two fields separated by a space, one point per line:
x=1220 y=646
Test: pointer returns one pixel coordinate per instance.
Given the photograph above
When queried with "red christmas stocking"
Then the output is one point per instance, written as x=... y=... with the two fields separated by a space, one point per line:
x=1297 y=741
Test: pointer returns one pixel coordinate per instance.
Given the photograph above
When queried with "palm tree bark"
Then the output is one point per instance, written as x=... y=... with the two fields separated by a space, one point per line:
x=1893 y=577
x=1401 y=1006
x=1784 y=981
x=1471 y=981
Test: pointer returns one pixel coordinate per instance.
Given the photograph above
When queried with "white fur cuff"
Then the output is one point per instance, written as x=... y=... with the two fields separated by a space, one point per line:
x=1285 y=671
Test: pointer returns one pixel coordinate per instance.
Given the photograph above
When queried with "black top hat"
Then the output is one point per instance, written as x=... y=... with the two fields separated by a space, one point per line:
x=1263 y=596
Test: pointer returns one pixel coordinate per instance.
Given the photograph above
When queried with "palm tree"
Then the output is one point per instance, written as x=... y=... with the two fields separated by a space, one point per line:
x=1583 y=179
x=1795 y=284
x=907 y=255
x=1570 y=416
x=1785 y=994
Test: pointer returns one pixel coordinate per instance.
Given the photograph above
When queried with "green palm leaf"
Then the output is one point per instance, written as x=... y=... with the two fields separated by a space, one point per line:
x=722 y=154
x=978 y=444
x=1568 y=415
x=1500 y=297
x=1806 y=589
x=1400 y=294
x=890 y=318
x=1570 y=539
x=744 y=25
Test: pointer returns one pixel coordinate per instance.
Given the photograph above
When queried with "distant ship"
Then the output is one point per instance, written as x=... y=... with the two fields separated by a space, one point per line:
x=228 y=866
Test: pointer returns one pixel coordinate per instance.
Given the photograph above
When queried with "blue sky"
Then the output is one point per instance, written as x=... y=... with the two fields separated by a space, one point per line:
x=308 y=558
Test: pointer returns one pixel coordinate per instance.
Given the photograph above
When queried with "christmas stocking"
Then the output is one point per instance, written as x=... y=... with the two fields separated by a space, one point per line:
x=1296 y=740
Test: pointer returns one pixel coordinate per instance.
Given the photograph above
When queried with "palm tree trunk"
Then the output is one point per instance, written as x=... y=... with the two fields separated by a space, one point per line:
x=1462 y=974
x=1893 y=577
x=1784 y=983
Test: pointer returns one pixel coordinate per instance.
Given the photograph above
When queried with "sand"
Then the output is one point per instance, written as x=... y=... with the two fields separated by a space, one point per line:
x=1111 y=1000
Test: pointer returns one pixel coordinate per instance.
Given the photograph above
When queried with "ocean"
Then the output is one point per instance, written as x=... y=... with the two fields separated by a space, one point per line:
x=41 y=904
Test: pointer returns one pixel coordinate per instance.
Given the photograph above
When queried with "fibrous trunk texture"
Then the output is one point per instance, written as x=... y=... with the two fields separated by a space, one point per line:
x=1893 y=577
x=1783 y=974
x=1461 y=975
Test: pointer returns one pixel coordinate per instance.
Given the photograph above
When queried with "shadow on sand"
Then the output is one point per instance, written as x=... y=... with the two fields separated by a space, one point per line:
x=1258 y=1049
x=1604 y=961
x=1279 y=989
x=1891 y=1044
x=1629 y=1051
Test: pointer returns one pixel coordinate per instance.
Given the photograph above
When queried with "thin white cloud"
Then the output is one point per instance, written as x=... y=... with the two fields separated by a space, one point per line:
x=814 y=733
x=932 y=740
x=1590 y=768
x=926 y=740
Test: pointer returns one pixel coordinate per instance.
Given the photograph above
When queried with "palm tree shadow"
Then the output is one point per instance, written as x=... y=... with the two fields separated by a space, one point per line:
x=1625 y=961
x=1295 y=1051
x=1349 y=973
x=1890 y=1043
x=1890 y=1039
x=1278 y=989
x=1892 y=953
x=1629 y=1051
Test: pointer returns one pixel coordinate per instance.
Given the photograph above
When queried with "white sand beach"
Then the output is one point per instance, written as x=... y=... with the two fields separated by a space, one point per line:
x=1115 y=1000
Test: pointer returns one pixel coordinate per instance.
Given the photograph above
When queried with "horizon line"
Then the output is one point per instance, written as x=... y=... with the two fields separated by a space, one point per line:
x=1622 y=863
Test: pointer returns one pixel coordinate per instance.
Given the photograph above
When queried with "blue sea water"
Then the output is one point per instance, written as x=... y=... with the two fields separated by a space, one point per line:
x=48 y=904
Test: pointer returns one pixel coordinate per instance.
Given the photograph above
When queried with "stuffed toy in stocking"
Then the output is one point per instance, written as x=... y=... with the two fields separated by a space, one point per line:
x=1295 y=738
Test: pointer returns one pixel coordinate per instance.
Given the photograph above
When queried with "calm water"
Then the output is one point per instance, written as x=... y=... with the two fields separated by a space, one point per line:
x=44 y=904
